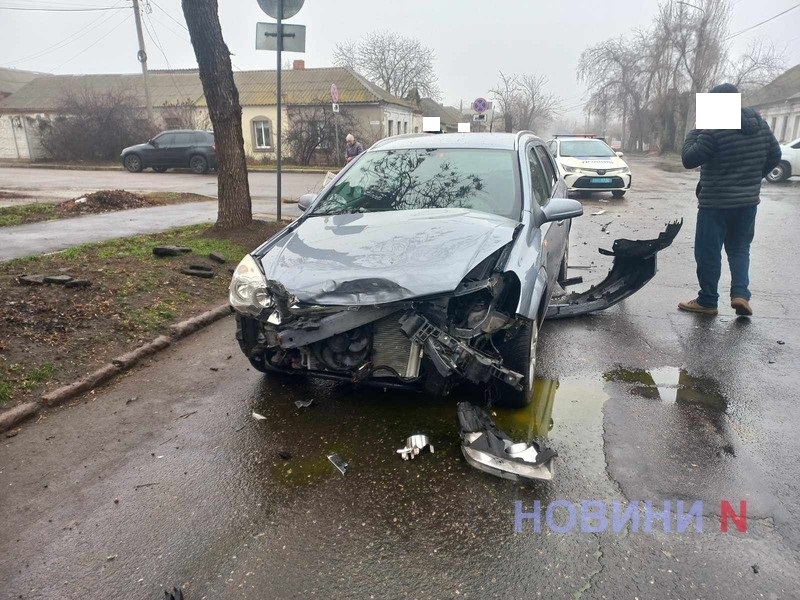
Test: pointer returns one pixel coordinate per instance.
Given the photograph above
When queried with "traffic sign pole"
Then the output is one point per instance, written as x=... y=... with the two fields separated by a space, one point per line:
x=278 y=140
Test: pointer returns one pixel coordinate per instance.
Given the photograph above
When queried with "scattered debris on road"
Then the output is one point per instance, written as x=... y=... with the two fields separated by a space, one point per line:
x=488 y=449
x=217 y=257
x=175 y=594
x=259 y=417
x=198 y=271
x=599 y=212
x=162 y=251
x=303 y=403
x=415 y=444
x=144 y=485
x=338 y=462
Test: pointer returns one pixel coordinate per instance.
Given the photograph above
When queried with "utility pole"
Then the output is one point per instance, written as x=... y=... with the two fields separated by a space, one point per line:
x=278 y=103
x=142 y=56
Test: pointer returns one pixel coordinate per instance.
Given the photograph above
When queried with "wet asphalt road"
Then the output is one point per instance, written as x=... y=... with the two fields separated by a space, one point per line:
x=641 y=403
x=55 y=184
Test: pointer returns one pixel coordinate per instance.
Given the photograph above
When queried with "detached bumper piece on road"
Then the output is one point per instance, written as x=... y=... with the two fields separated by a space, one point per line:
x=634 y=265
x=488 y=449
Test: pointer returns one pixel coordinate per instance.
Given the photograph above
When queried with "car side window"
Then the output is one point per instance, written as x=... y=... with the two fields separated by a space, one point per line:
x=183 y=139
x=540 y=184
x=547 y=163
x=553 y=147
x=165 y=140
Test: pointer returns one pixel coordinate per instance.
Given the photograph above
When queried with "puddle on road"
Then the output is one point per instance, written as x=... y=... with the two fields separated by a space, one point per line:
x=672 y=385
x=366 y=425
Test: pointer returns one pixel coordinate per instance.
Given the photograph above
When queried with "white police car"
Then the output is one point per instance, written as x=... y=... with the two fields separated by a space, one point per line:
x=588 y=164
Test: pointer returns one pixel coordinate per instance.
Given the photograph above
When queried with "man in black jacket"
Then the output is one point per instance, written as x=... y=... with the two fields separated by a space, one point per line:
x=734 y=161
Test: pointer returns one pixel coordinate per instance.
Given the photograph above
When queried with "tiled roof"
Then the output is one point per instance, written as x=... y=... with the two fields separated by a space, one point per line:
x=256 y=88
x=45 y=94
x=13 y=79
x=309 y=86
x=786 y=86
x=449 y=115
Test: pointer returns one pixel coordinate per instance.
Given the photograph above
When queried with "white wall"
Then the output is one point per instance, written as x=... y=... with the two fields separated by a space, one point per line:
x=13 y=143
x=397 y=114
x=777 y=113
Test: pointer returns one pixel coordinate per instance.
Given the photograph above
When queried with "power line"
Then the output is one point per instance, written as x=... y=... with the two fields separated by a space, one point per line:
x=62 y=9
x=157 y=43
x=761 y=23
x=154 y=3
x=73 y=37
x=97 y=41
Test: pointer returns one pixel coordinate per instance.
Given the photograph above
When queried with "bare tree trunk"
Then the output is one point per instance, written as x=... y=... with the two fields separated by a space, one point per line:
x=222 y=98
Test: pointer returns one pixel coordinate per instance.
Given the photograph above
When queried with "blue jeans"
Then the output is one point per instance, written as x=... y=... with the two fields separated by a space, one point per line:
x=732 y=228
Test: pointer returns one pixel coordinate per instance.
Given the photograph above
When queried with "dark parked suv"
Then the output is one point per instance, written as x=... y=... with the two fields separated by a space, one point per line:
x=174 y=148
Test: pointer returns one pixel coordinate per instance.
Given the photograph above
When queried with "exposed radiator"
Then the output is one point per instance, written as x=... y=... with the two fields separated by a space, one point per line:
x=392 y=348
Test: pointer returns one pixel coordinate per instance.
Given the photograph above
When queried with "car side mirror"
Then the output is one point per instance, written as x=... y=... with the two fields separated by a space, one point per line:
x=620 y=154
x=305 y=201
x=153 y=143
x=559 y=209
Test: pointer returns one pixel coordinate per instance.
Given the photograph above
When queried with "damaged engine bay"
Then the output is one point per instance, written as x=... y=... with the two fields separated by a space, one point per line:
x=431 y=343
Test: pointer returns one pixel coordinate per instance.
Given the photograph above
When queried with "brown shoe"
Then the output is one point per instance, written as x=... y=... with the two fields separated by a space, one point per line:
x=742 y=307
x=693 y=306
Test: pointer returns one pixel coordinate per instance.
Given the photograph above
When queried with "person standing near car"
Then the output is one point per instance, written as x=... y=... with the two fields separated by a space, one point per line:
x=733 y=161
x=352 y=149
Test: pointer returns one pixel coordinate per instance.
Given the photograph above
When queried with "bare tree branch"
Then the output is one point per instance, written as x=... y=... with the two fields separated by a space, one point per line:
x=396 y=63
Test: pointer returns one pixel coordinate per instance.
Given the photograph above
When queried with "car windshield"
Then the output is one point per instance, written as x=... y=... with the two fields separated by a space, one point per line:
x=485 y=180
x=585 y=148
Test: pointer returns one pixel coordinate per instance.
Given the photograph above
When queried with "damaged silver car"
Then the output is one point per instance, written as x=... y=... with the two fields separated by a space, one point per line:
x=429 y=261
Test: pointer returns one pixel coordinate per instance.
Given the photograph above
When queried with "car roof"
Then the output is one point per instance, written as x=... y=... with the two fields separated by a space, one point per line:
x=185 y=131
x=494 y=141
x=578 y=138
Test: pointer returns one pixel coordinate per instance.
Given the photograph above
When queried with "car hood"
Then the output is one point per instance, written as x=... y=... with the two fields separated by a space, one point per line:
x=137 y=147
x=375 y=258
x=593 y=162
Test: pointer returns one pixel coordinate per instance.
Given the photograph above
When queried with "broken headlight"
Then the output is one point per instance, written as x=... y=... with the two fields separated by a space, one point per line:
x=248 y=290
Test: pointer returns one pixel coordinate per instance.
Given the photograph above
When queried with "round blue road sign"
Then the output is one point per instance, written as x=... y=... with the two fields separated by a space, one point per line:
x=480 y=105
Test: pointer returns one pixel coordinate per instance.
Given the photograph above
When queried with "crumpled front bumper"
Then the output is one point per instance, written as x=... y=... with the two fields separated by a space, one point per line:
x=634 y=265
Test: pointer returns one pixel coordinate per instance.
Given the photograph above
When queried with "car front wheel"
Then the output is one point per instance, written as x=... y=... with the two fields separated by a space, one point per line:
x=198 y=164
x=519 y=354
x=133 y=163
x=779 y=173
x=618 y=193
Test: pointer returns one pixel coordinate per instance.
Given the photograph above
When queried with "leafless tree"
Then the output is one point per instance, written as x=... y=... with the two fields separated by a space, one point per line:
x=95 y=125
x=524 y=101
x=181 y=114
x=396 y=63
x=758 y=66
x=504 y=97
x=649 y=79
x=311 y=134
x=225 y=112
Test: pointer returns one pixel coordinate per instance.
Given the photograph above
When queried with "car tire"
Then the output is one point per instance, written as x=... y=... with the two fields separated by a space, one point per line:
x=198 y=164
x=133 y=163
x=618 y=193
x=160 y=169
x=780 y=173
x=519 y=354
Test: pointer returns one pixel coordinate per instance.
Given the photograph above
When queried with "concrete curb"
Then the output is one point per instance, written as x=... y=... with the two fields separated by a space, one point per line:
x=107 y=372
x=67 y=167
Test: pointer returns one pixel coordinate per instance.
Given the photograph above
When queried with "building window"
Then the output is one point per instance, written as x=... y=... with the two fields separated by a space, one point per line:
x=774 y=122
x=391 y=123
x=262 y=133
x=416 y=129
x=405 y=126
x=796 y=133
x=785 y=129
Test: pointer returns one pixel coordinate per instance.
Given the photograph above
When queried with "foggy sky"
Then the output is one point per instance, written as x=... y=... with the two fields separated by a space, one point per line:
x=472 y=39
